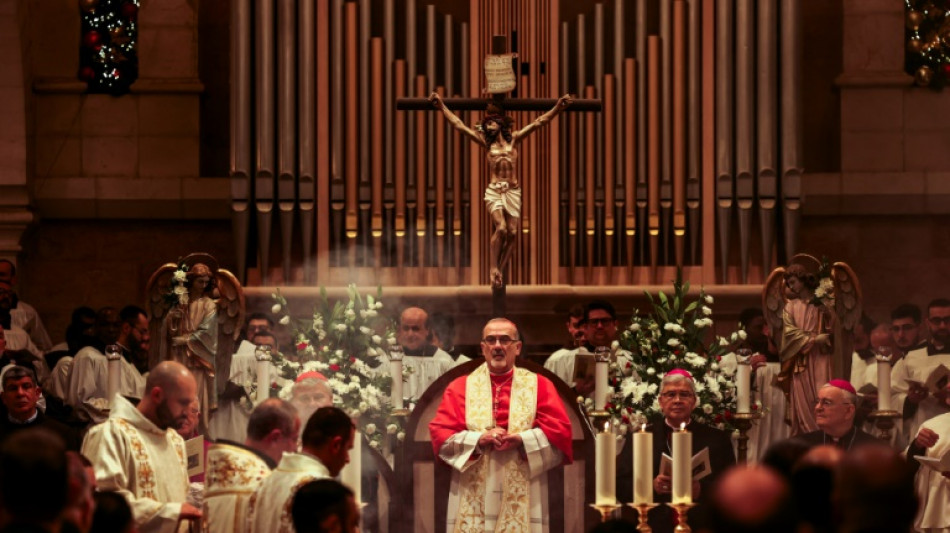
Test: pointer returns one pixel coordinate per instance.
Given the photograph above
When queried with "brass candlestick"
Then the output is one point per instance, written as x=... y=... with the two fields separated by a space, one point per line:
x=400 y=412
x=605 y=509
x=642 y=510
x=681 y=510
x=743 y=422
x=884 y=420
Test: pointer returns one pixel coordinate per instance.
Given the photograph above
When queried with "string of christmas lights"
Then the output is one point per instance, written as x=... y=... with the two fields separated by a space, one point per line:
x=107 y=60
x=927 y=33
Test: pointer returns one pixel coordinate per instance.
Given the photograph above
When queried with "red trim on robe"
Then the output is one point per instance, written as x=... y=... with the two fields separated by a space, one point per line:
x=551 y=416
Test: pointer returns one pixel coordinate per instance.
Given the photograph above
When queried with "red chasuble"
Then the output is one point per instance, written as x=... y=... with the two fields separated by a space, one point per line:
x=550 y=417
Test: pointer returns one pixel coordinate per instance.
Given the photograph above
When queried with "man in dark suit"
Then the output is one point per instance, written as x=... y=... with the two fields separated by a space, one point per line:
x=834 y=414
x=677 y=401
x=20 y=394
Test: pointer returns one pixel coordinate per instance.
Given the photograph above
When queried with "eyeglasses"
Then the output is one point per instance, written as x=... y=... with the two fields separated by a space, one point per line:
x=673 y=394
x=504 y=340
x=940 y=320
x=824 y=402
x=599 y=321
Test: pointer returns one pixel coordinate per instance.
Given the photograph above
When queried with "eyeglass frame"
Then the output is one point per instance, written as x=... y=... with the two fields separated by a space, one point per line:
x=504 y=340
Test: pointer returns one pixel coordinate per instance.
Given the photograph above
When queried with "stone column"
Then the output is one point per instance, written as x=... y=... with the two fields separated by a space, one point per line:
x=15 y=213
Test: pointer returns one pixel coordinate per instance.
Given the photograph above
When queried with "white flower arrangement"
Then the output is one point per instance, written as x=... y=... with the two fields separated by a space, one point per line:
x=673 y=336
x=344 y=342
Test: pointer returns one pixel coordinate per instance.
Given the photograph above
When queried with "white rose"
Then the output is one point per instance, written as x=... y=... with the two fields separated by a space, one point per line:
x=370 y=429
x=673 y=342
x=275 y=308
x=363 y=407
x=401 y=436
x=180 y=276
x=284 y=320
x=179 y=290
x=669 y=326
x=615 y=345
x=742 y=334
x=699 y=323
x=340 y=327
x=376 y=339
x=723 y=341
x=371 y=352
x=714 y=366
x=709 y=299
x=708 y=409
x=634 y=327
x=651 y=371
x=580 y=399
x=392 y=429
x=349 y=313
x=707 y=311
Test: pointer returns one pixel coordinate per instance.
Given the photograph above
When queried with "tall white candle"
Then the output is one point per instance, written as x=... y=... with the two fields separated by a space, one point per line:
x=395 y=369
x=350 y=475
x=642 y=466
x=114 y=369
x=263 y=379
x=883 y=385
x=682 y=466
x=606 y=467
x=744 y=384
x=600 y=380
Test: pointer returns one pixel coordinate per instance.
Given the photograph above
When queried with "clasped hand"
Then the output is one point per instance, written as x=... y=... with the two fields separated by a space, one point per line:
x=499 y=439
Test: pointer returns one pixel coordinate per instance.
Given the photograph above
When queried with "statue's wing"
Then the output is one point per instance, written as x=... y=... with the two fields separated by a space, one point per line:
x=773 y=303
x=231 y=311
x=848 y=313
x=848 y=296
x=157 y=306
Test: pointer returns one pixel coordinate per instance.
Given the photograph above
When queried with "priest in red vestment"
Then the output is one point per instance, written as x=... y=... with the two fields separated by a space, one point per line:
x=500 y=428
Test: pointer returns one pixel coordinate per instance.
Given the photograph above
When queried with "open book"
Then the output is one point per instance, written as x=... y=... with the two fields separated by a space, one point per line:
x=195 y=450
x=940 y=464
x=701 y=466
x=936 y=381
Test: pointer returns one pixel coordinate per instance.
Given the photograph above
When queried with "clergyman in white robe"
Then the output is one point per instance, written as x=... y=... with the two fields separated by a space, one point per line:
x=147 y=465
x=916 y=366
x=932 y=487
x=232 y=474
x=269 y=507
x=89 y=383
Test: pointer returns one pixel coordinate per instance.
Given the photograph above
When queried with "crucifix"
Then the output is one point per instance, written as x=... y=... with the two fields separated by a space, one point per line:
x=496 y=135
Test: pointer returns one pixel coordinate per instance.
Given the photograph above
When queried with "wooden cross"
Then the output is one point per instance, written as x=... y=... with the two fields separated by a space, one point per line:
x=499 y=46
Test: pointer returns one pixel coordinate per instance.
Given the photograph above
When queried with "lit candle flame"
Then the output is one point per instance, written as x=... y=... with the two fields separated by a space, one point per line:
x=683 y=426
x=643 y=427
x=606 y=426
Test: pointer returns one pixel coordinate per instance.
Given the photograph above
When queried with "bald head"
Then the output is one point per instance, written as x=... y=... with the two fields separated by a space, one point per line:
x=874 y=490
x=168 y=375
x=171 y=395
x=413 y=334
x=753 y=498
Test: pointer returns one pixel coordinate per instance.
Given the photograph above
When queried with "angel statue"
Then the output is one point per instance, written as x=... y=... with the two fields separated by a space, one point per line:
x=197 y=310
x=812 y=309
x=503 y=195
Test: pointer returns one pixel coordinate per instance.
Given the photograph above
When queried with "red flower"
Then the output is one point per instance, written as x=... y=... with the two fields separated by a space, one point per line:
x=728 y=414
x=718 y=419
x=755 y=407
x=302 y=346
x=335 y=368
x=352 y=359
x=718 y=358
x=608 y=406
x=274 y=385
